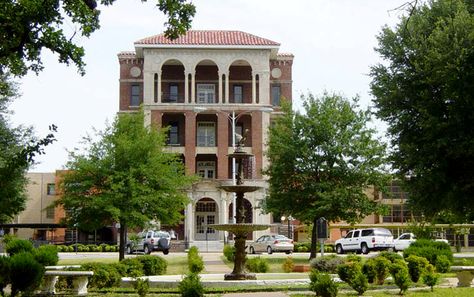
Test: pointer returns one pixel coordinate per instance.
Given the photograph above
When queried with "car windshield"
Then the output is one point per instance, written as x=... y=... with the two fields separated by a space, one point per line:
x=382 y=232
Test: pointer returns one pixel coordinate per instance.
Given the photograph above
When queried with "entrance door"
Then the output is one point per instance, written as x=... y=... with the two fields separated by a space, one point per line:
x=206 y=214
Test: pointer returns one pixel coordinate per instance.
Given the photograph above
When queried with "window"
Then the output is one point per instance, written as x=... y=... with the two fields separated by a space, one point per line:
x=206 y=169
x=51 y=189
x=135 y=96
x=276 y=94
x=50 y=213
x=173 y=134
x=206 y=134
x=356 y=234
x=367 y=232
x=173 y=93
x=349 y=235
x=238 y=94
x=206 y=93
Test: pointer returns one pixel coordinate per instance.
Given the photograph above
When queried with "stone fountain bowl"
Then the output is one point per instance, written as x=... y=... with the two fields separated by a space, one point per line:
x=239 y=188
x=240 y=228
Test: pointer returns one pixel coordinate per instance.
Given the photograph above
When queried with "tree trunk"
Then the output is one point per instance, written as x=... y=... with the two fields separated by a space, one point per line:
x=123 y=240
x=314 y=239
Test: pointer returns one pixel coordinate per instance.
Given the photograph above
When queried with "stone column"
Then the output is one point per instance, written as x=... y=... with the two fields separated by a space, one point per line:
x=186 y=87
x=190 y=219
x=221 y=100
x=257 y=142
x=254 y=87
x=159 y=87
x=227 y=87
x=148 y=81
x=264 y=88
x=193 y=87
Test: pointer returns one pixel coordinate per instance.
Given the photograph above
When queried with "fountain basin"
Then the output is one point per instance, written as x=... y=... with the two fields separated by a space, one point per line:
x=240 y=228
x=239 y=188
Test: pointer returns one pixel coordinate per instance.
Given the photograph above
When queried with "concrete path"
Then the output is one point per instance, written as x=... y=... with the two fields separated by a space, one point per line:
x=257 y=294
x=214 y=264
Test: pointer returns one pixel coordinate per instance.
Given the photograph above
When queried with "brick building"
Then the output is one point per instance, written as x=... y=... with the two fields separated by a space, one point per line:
x=202 y=86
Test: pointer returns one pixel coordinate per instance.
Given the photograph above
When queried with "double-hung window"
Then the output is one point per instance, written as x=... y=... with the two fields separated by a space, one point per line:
x=206 y=93
x=173 y=134
x=206 y=134
x=276 y=94
x=173 y=93
x=206 y=169
x=135 y=95
x=238 y=94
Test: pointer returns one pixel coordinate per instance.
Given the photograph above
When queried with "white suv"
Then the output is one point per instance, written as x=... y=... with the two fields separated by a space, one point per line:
x=365 y=240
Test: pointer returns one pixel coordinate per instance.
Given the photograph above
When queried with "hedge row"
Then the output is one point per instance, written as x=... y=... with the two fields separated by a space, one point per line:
x=87 y=248
x=302 y=247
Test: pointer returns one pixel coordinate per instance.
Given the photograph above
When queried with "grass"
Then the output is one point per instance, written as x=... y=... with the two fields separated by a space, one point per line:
x=438 y=292
x=275 y=263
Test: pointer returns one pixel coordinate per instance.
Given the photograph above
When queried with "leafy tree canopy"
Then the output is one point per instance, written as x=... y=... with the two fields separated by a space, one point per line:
x=424 y=90
x=29 y=26
x=323 y=162
x=125 y=176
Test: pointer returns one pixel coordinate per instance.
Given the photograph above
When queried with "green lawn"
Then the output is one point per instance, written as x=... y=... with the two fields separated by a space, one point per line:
x=438 y=292
x=275 y=263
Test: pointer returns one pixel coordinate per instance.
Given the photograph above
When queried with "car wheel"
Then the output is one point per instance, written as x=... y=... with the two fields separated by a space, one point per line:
x=166 y=252
x=146 y=250
x=252 y=250
x=269 y=250
x=129 y=250
x=288 y=252
x=364 y=249
x=339 y=249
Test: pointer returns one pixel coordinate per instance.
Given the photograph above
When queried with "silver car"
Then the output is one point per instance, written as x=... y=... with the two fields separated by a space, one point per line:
x=271 y=243
x=151 y=241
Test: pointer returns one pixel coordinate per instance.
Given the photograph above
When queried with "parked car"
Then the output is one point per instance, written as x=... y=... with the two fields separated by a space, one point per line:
x=271 y=243
x=150 y=241
x=405 y=239
x=365 y=240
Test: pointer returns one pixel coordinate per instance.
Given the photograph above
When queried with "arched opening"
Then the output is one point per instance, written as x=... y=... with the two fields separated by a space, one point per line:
x=240 y=82
x=206 y=214
x=172 y=82
x=207 y=77
x=248 y=210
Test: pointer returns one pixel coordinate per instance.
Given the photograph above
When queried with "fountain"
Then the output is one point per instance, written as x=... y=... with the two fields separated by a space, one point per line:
x=239 y=229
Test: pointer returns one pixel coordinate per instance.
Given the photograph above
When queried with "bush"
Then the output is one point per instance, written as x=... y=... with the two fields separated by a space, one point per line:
x=191 y=286
x=16 y=246
x=443 y=264
x=288 y=265
x=429 y=249
x=25 y=274
x=302 y=249
x=105 y=275
x=257 y=264
x=193 y=251
x=348 y=271
x=359 y=283
x=369 y=270
x=391 y=256
x=382 y=265
x=400 y=275
x=229 y=252
x=195 y=263
x=103 y=247
x=134 y=267
x=322 y=284
x=416 y=266
x=326 y=263
x=153 y=265
x=47 y=255
x=141 y=286
x=4 y=273
x=430 y=278
x=354 y=258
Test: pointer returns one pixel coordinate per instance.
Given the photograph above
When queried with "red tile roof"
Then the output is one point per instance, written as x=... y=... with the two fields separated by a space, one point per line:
x=210 y=37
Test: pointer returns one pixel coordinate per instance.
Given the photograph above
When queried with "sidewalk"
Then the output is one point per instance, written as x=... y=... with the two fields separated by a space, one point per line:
x=214 y=264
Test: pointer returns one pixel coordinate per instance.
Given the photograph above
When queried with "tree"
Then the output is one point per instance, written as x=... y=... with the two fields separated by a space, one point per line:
x=124 y=177
x=424 y=90
x=322 y=162
x=18 y=147
x=30 y=26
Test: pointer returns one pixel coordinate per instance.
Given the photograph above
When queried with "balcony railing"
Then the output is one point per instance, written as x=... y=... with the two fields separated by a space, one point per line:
x=171 y=98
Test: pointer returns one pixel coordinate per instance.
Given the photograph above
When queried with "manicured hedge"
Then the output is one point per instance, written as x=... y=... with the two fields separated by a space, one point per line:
x=303 y=247
x=87 y=248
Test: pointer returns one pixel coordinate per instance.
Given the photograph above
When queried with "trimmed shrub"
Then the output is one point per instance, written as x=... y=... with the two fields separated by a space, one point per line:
x=25 y=273
x=16 y=246
x=400 y=275
x=430 y=278
x=359 y=283
x=354 y=258
x=105 y=275
x=134 y=267
x=257 y=264
x=47 y=255
x=326 y=263
x=153 y=265
x=141 y=286
x=229 y=252
x=322 y=284
x=347 y=271
x=429 y=249
x=191 y=286
x=391 y=256
x=443 y=264
x=4 y=273
x=369 y=270
x=195 y=262
x=382 y=265
x=288 y=265
x=302 y=249
x=416 y=267
x=193 y=251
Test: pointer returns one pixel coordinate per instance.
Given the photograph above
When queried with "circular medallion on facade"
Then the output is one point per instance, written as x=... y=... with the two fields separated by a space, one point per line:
x=276 y=72
x=135 y=71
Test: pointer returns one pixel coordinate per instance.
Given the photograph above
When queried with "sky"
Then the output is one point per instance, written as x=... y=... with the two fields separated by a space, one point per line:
x=333 y=43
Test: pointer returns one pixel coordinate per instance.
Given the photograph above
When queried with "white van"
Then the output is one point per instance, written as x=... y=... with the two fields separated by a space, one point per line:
x=365 y=240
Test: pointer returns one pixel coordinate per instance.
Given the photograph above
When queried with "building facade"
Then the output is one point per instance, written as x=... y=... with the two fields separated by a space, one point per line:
x=206 y=87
